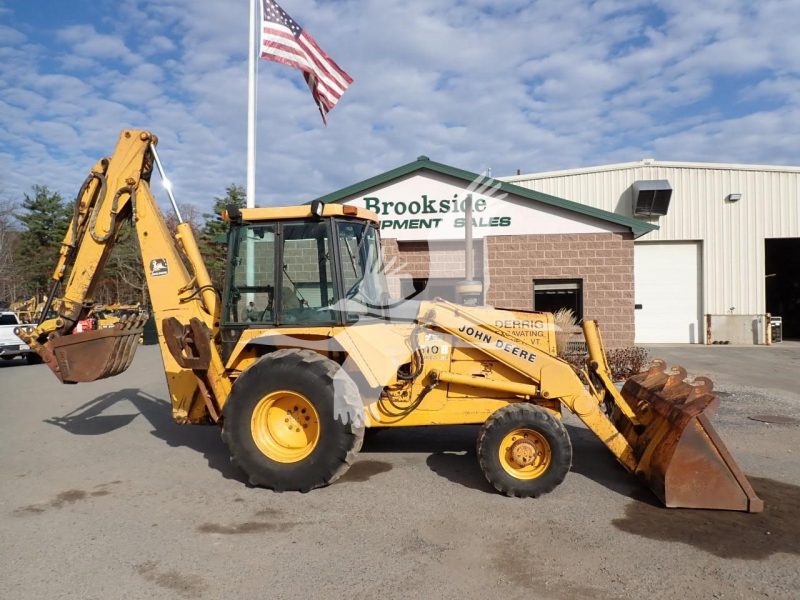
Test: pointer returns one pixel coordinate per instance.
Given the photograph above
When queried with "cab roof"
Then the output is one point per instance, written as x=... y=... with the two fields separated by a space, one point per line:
x=304 y=211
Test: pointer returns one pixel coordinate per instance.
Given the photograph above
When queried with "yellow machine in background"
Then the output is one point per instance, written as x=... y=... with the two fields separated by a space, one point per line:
x=304 y=349
x=30 y=310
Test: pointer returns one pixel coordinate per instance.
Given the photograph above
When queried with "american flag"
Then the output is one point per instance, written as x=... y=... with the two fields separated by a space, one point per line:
x=284 y=41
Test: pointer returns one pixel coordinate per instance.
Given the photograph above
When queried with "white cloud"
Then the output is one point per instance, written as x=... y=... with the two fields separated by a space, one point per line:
x=85 y=41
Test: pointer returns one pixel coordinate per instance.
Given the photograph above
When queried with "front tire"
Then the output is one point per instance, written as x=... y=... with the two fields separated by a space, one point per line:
x=284 y=423
x=524 y=451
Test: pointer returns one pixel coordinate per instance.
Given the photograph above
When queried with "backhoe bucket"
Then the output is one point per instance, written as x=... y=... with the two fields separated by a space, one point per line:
x=94 y=355
x=679 y=452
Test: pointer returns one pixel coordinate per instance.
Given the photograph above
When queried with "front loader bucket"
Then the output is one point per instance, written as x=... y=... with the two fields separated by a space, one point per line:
x=678 y=451
x=93 y=355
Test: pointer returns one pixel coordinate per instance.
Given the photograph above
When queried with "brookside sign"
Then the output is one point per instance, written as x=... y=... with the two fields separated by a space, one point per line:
x=428 y=207
x=427 y=213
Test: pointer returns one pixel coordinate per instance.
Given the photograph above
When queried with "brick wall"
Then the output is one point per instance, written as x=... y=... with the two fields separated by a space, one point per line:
x=437 y=259
x=603 y=261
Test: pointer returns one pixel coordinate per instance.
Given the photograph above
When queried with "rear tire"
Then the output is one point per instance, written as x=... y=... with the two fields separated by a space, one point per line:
x=304 y=392
x=33 y=359
x=524 y=451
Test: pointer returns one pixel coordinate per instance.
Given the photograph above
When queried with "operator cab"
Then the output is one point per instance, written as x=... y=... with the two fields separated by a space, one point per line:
x=308 y=270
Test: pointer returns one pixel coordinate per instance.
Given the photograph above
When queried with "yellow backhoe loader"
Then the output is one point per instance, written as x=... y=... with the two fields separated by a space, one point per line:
x=304 y=349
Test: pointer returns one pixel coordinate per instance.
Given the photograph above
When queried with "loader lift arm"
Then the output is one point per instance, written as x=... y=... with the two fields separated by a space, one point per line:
x=182 y=296
x=655 y=427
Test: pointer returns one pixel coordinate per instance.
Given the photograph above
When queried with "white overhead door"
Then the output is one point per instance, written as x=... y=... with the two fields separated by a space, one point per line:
x=667 y=288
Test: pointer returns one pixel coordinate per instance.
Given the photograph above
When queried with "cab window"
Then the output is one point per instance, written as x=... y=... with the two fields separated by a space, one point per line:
x=307 y=294
x=252 y=283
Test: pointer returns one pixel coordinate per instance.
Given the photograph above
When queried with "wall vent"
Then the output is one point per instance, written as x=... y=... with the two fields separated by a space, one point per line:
x=651 y=197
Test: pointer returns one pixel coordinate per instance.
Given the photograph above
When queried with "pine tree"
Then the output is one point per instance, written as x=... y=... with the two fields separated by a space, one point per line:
x=213 y=237
x=44 y=224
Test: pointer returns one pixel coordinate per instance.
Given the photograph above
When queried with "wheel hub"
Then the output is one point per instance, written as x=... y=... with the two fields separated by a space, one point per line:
x=523 y=452
x=285 y=426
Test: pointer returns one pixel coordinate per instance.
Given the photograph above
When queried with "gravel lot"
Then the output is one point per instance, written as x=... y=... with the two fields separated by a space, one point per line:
x=104 y=497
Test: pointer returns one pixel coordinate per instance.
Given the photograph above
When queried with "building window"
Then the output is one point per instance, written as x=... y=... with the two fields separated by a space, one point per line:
x=550 y=295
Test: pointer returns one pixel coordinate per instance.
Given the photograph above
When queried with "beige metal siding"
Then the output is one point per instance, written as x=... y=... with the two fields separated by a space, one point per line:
x=732 y=233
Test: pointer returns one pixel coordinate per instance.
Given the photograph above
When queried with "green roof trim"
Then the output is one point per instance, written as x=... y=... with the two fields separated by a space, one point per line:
x=423 y=163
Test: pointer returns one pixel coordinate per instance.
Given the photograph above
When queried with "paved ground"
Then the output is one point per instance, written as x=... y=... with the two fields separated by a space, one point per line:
x=104 y=497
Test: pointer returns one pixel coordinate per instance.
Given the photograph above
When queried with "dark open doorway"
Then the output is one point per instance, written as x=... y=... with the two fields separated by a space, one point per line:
x=551 y=295
x=783 y=283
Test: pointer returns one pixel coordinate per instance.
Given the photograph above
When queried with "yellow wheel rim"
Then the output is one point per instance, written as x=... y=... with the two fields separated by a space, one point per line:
x=285 y=426
x=525 y=454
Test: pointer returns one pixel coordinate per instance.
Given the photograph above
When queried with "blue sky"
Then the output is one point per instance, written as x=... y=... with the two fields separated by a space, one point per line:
x=510 y=85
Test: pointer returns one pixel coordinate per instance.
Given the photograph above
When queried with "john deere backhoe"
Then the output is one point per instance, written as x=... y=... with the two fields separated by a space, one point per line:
x=304 y=349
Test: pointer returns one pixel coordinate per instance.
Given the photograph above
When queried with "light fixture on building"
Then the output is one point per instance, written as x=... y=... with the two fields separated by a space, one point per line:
x=734 y=197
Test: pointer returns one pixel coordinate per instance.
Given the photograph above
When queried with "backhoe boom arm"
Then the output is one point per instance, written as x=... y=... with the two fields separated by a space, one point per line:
x=118 y=190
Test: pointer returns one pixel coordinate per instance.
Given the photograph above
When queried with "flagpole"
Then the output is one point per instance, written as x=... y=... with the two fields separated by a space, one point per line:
x=251 y=143
x=251 y=109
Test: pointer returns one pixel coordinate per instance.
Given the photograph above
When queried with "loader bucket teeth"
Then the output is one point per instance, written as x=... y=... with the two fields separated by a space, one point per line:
x=93 y=355
x=679 y=453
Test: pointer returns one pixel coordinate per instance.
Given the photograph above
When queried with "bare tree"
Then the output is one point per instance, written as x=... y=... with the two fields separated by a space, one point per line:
x=9 y=286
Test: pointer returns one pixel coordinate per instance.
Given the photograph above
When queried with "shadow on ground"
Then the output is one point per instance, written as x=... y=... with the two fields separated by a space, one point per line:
x=461 y=468
x=594 y=461
x=10 y=363
x=90 y=420
x=727 y=534
x=450 y=449
x=451 y=438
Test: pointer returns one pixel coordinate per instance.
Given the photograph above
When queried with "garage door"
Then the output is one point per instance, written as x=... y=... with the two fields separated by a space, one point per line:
x=667 y=287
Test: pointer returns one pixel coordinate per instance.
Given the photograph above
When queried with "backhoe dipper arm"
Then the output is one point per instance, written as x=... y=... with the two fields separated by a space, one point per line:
x=117 y=190
x=553 y=377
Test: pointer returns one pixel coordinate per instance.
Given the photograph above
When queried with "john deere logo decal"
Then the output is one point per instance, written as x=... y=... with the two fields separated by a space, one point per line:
x=158 y=266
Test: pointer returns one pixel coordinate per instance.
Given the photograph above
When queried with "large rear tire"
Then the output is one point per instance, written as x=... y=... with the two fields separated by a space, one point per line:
x=524 y=451
x=284 y=423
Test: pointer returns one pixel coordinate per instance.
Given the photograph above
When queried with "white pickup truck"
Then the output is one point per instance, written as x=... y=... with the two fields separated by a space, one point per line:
x=10 y=345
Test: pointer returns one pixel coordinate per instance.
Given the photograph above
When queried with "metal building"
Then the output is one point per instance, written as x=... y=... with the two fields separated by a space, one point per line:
x=726 y=253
